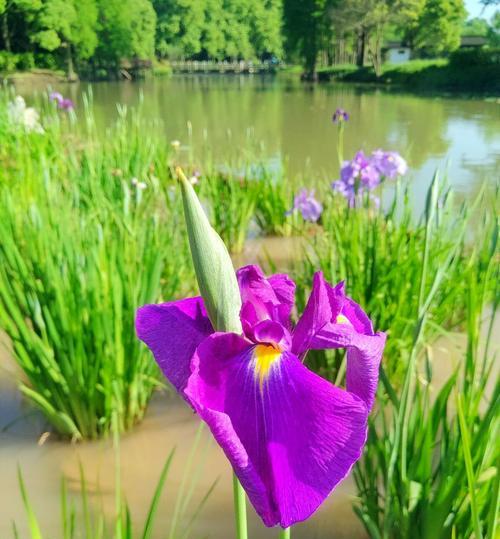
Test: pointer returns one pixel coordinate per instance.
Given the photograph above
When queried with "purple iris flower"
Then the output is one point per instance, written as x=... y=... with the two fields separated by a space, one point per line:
x=340 y=115
x=62 y=103
x=356 y=177
x=56 y=96
x=309 y=207
x=66 y=104
x=290 y=435
x=389 y=164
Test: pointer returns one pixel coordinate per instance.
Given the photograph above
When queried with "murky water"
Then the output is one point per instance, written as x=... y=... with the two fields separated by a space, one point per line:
x=281 y=119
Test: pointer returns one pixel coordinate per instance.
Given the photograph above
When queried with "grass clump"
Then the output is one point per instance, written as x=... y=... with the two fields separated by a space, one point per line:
x=380 y=254
x=88 y=234
x=430 y=467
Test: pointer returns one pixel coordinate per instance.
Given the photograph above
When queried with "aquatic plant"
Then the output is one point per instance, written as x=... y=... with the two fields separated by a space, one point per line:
x=21 y=116
x=96 y=524
x=380 y=253
x=233 y=355
x=81 y=248
x=63 y=103
x=430 y=467
x=307 y=205
x=364 y=173
x=231 y=201
x=274 y=196
x=340 y=115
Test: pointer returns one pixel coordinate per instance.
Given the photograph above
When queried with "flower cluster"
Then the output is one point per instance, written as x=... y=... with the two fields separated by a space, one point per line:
x=309 y=207
x=62 y=102
x=22 y=116
x=365 y=172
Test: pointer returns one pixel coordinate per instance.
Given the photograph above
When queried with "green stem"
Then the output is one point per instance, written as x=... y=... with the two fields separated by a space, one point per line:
x=240 y=509
x=340 y=144
x=285 y=534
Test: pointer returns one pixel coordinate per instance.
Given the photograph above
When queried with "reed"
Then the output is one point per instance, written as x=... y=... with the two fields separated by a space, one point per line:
x=82 y=245
x=380 y=254
x=430 y=467
x=82 y=519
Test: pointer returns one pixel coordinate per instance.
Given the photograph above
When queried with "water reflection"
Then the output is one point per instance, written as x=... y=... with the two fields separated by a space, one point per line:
x=281 y=118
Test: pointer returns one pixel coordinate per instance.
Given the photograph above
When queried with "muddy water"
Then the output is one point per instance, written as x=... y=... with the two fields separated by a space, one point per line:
x=168 y=424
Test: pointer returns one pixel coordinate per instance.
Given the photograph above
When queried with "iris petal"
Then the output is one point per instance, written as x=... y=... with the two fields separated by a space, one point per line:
x=333 y=320
x=173 y=331
x=265 y=298
x=290 y=435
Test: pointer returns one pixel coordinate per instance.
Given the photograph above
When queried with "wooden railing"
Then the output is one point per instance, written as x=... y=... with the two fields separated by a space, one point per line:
x=193 y=66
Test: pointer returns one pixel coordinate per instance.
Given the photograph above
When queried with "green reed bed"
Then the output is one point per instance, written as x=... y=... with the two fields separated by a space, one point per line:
x=88 y=233
x=430 y=467
x=380 y=254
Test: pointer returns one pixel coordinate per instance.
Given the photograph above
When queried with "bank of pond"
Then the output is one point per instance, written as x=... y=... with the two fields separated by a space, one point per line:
x=91 y=227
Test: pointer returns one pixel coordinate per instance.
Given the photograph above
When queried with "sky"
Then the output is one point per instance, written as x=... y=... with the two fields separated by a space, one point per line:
x=474 y=8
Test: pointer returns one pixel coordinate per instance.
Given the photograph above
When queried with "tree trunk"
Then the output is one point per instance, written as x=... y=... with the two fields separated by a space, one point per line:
x=71 y=75
x=5 y=32
x=360 y=59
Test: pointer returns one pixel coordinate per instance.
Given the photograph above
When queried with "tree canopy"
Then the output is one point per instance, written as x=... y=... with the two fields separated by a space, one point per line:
x=95 y=35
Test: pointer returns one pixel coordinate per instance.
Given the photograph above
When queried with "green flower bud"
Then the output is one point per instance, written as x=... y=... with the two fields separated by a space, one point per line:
x=212 y=263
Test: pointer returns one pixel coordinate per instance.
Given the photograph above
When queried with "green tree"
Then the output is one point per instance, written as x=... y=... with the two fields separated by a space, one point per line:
x=265 y=21
x=493 y=34
x=475 y=27
x=307 y=29
x=25 y=8
x=440 y=26
x=69 y=25
x=126 y=30
x=179 y=28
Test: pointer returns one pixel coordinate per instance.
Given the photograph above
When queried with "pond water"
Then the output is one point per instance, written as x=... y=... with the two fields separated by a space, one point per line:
x=281 y=120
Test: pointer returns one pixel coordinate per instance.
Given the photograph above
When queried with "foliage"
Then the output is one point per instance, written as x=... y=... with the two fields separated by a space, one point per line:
x=431 y=75
x=439 y=26
x=430 y=467
x=475 y=27
x=231 y=204
x=380 y=256
x=202 y=29
x=82 y=248
x=306 y=27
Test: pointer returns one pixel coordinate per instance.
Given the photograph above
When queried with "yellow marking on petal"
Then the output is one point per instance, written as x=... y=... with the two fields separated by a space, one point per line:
x=341 y=319
x=265 y=356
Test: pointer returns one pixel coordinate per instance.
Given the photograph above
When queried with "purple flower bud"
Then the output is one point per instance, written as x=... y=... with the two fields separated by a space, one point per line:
x=339 y=116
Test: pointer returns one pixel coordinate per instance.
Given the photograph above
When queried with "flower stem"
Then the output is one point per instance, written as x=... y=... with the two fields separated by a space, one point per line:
x=285 y=534
x=240 y=509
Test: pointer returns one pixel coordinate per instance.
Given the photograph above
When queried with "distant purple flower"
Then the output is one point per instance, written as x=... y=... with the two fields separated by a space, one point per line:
x=62 y=103
x=309 y=207
x=364 y=173
x=340 y=115
x=389 y=164
x=290 y=435
x=66 y=104
x=56 y=96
